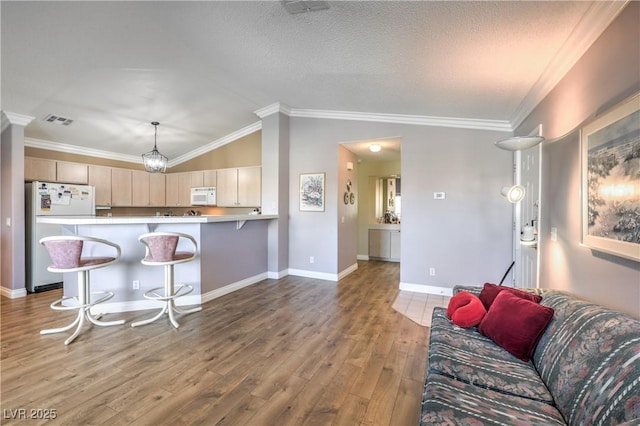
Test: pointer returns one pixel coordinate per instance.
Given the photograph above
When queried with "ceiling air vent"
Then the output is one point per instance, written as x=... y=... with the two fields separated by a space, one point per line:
x=56 y=119
x=302 y=6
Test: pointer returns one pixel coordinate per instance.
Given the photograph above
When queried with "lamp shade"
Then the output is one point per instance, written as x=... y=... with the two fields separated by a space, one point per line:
x=514 y=193
x=517 y=143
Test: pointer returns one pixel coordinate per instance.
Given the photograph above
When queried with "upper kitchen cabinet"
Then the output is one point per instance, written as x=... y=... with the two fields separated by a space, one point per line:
x=147 y=189
x=178 y=188
x=157 y=188
x=140 y=188
x=100 y=178
x=39 y=169
x=121 y=187
x=55 y=171
x=209 y=178
x=239 y=187
x=72 y=172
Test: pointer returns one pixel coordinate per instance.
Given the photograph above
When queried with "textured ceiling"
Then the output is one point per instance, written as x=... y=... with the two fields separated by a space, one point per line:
x=202 y=69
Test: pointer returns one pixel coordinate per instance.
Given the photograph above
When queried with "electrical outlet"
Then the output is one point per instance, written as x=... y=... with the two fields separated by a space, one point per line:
x=432 y=272
x=311 y=259
x=136 y=284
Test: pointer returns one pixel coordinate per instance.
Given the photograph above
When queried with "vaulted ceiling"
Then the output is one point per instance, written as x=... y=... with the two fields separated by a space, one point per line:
x=203 y=69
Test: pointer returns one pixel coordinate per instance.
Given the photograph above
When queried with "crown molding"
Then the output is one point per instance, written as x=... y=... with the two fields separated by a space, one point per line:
x=15 y=119
x=74 y=149
x=594 y=22
x=272 y=109
x=79 y=150
x=217 y=143
x=418 y=120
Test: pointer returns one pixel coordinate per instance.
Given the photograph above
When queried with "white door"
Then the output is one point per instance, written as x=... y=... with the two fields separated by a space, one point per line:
x=526 y=253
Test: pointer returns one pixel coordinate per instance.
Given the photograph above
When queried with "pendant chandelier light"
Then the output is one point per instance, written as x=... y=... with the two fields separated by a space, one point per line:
x=154 y=162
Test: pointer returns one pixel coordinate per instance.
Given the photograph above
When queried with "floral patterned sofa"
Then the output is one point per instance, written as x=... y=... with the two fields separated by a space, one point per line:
x=585 y=370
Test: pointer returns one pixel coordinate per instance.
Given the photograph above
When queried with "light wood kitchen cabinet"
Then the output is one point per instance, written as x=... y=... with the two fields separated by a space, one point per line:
x=147 y=189
x=121 y=187
x=72 y=172
x=55 y=171
x=384 y=244
x=209 y=178
x=100 y=178
x=39 y=169
x=139 y=188
x=178 y=188
x=157 y=185
x=171 y=189
x=197 y=180
x=240 y=187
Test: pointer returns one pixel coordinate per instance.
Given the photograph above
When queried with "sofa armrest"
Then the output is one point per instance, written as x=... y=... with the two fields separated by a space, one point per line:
x=473 y=289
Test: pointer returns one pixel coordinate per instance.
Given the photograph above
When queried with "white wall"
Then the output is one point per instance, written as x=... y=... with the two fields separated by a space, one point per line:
x=608 y=73
x=12 y=238
x=347 y=213
x=466 y=237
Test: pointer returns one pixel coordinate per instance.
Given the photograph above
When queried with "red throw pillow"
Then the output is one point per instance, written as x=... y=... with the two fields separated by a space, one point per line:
x=490 y=291
x=516 y=324
x=465 y=309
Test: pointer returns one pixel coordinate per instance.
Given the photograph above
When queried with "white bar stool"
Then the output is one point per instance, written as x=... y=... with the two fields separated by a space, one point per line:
x=66 y=255
x=161 y=250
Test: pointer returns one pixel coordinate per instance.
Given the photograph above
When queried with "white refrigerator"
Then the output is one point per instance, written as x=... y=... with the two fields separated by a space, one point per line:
x=50 y=199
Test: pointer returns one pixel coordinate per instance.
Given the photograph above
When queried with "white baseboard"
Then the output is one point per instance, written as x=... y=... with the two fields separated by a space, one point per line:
x=348 y=270
x=13 y=293
x=277 y=275
x=189 y=300
x=362 y=257
x=428 y=289
x=313 y=274
x=230 y=288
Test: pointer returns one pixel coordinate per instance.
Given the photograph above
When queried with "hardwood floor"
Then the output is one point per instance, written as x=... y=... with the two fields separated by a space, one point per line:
x=292 y=351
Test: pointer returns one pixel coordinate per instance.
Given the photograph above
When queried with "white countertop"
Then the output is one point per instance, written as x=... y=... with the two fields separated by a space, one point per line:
x=124 y=220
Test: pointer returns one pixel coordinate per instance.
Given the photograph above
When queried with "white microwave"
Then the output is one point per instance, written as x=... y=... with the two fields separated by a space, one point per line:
x=203 y=196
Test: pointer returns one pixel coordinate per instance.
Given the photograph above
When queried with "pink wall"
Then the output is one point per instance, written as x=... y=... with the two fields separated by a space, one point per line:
x=608 y=73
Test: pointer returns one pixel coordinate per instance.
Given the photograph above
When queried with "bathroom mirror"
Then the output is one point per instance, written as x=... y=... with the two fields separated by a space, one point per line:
x=388 y=199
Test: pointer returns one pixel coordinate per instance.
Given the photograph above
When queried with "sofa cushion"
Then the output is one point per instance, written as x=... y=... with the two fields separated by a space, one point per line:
x=515 y=324
x=589 y=357
x=446 y=401
x=466 y=310
x=490 y=292
x=468 y=356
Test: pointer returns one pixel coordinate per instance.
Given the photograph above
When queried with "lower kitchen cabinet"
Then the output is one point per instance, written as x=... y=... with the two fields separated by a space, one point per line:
x=384 y=244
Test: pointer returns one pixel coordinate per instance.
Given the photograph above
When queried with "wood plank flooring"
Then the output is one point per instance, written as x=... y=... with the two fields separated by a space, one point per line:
x=294 y=351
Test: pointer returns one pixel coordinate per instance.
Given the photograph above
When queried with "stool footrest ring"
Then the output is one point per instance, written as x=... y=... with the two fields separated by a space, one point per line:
x=58 y=304
x=154 y=295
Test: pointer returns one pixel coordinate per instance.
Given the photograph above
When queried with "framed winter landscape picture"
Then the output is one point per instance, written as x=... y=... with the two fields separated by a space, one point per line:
x=312 y=192
x=610 y=150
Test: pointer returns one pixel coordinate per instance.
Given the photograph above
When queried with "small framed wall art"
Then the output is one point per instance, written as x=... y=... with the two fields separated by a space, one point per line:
x=312 y=192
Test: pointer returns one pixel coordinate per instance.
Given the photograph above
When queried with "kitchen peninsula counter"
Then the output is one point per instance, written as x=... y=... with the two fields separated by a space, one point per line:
x=232 y=254
x=123 y=220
